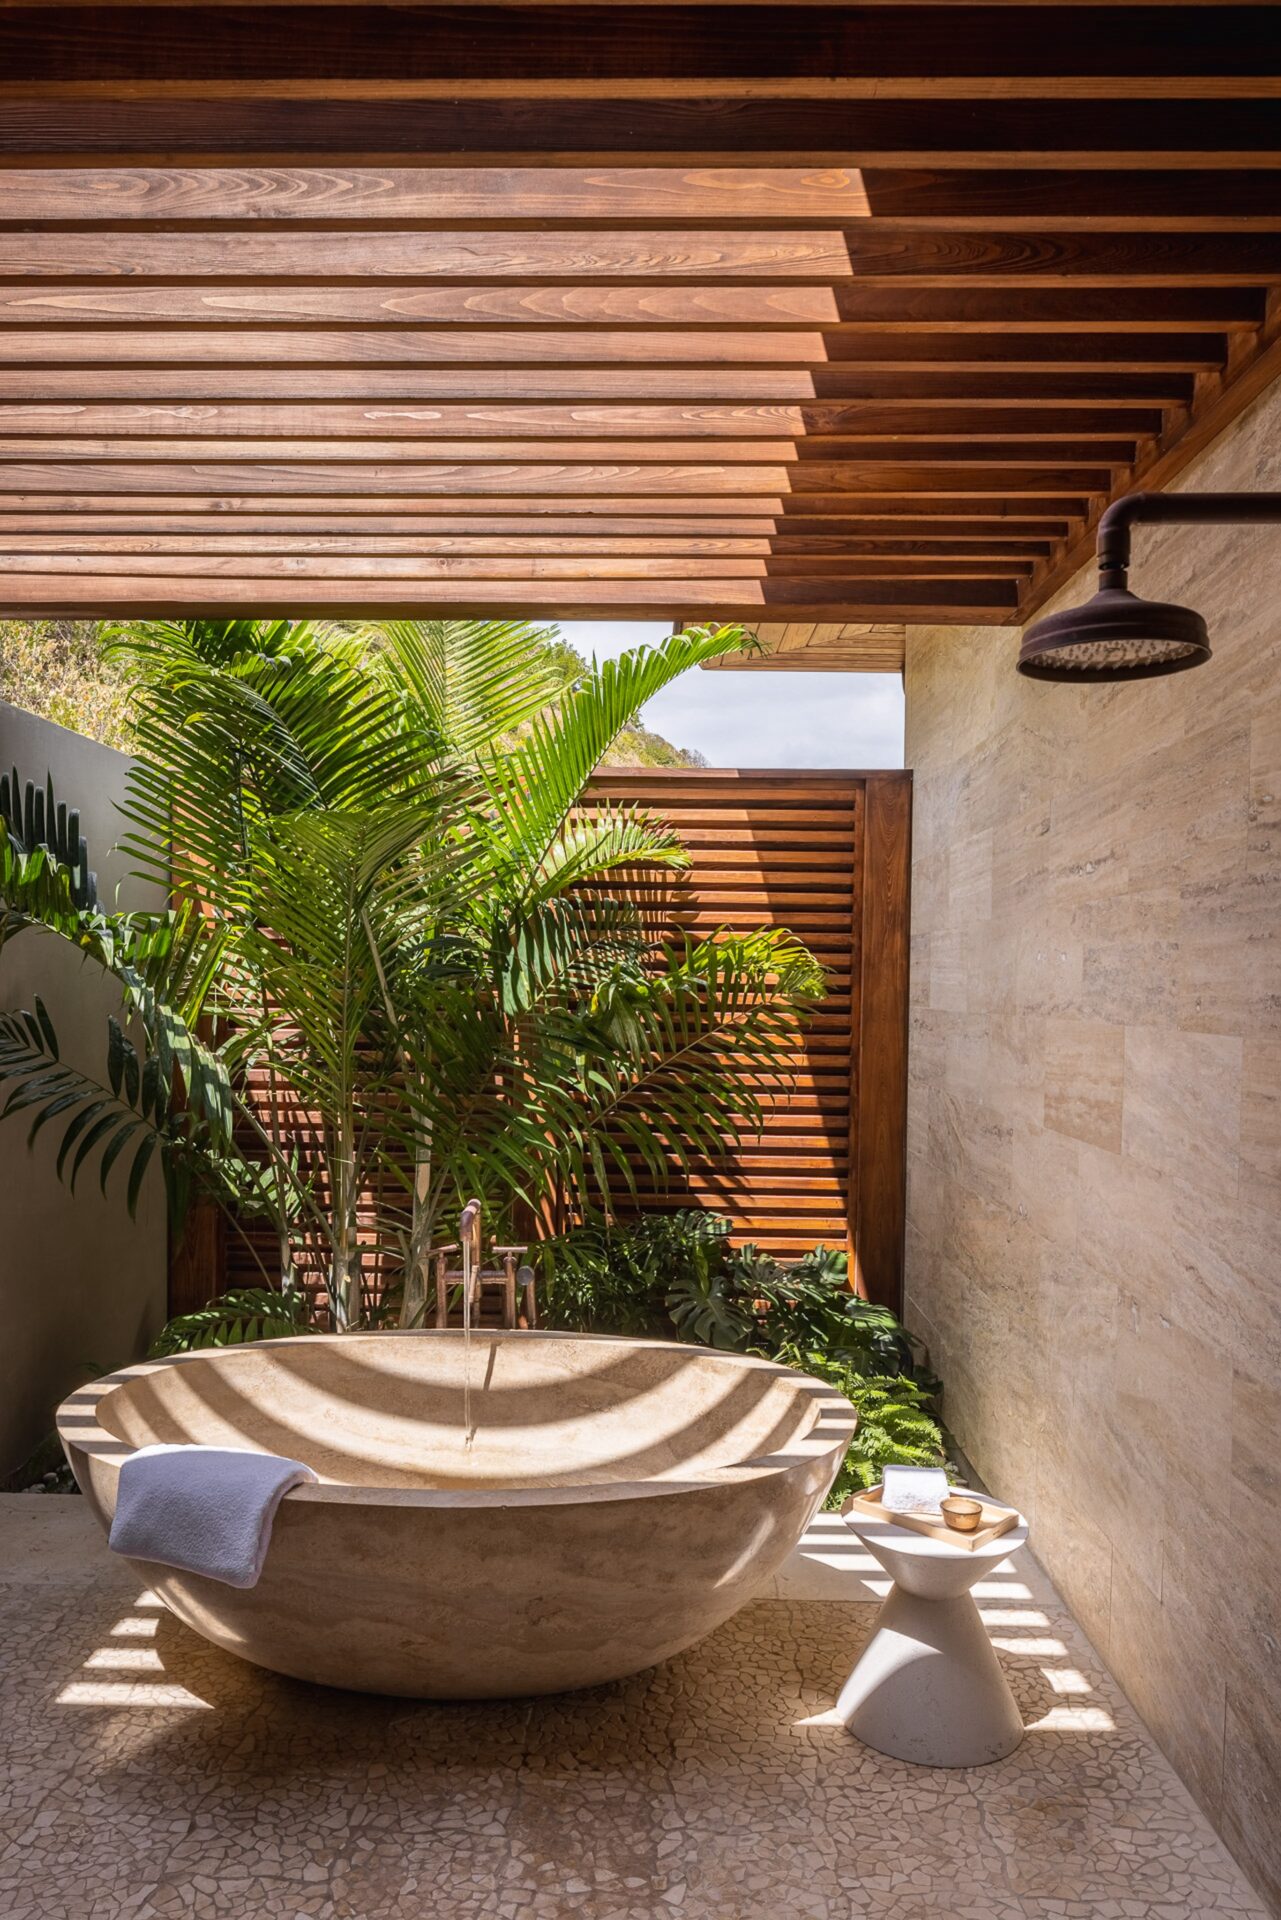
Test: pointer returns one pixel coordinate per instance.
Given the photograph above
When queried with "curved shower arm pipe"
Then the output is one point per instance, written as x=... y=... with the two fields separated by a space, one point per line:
x=1205 y=509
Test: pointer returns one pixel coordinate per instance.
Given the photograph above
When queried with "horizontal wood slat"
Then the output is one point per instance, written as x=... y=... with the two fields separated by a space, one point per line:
x=913 y=50
x=781 y=850
x=681 y=261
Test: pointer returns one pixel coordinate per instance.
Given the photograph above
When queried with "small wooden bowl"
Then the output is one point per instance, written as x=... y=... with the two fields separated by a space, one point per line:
x=961 y=1513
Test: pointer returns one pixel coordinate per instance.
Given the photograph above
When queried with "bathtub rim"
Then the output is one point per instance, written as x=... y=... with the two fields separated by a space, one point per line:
x=81 y=1434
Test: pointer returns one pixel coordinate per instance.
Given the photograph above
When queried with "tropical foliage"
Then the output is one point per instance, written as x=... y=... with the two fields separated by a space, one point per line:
x=390 y=912
x=235 y=1319
x=615 y=1277
x=676 y=1272
x=56 y=668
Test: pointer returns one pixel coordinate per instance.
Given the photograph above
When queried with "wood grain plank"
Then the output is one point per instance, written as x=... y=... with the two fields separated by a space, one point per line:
x=870 y=253
x=461 y=347
x=821 y=453
x=552 y=479
x=68 y=596
x=1183 y=200
x=831 y=423
x=68 y=121
x=439 y=196
x=846 y=307
x=921 y=388
x=824 y=576
x=917 y=49
x=878 y=1144
x=43 y=534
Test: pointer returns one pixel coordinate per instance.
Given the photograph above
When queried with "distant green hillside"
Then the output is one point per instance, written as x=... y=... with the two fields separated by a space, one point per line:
x=53 y=668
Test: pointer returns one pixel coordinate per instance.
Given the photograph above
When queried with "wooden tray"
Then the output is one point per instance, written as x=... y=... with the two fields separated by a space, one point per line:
x=994 y=1520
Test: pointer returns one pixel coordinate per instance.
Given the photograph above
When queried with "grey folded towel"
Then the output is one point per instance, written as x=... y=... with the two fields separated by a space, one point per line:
x=205 y=1510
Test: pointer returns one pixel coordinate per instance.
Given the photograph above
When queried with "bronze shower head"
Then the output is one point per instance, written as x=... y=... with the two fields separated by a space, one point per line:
x=1117 y=635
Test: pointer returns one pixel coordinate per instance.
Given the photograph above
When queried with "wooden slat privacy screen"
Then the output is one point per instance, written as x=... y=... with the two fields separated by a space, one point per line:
x=825 y=855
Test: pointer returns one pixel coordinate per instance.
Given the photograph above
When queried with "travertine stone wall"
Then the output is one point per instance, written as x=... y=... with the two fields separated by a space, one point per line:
x=1094 y=1203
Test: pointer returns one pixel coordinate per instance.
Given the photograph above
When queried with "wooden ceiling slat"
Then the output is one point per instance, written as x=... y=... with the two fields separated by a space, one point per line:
x=812 y=427
x=636 y=347
x=920 y=49
x=69 y=596
x=731 y=571
x=827 y=318
x=709 y=128
x=549 y=481
x=845 y=308
x=774 y=387
x=873 y=251
x=824 y=454
x=499 y=534
x=443 y=196
x=815 y=514
x=51 y=537
x=1174 y=200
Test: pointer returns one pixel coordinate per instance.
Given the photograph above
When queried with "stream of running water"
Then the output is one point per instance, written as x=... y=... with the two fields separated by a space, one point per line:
x=469 y=1231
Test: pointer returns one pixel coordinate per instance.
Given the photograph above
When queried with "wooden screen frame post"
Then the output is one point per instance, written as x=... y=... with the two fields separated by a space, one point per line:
x=197 y=1258
x=878 y=1103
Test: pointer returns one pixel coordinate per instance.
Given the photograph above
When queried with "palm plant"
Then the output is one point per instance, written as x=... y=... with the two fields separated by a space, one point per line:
x=391 y=915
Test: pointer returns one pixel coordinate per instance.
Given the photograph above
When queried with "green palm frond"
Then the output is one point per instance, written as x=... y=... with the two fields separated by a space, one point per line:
x=124 y=1117
x=535 y=785
x=589 y=849
x=563 y=949
x=281 y=722
x=234 y=1319
x=472 y=681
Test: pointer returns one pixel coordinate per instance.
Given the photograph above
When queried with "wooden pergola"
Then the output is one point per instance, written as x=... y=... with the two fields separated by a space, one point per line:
x=828 y=318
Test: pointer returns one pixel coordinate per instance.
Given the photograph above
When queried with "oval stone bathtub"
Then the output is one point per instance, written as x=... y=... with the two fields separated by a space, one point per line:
x=620 y=1499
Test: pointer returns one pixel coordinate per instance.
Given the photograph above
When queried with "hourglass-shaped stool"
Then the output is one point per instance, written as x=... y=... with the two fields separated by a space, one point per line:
x=927 y=1686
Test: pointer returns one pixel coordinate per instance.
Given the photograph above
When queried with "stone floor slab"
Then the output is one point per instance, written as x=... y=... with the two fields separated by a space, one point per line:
x=147 y=1776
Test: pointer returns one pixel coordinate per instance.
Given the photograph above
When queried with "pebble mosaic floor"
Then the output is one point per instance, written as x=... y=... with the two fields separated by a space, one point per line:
x=146 y=1776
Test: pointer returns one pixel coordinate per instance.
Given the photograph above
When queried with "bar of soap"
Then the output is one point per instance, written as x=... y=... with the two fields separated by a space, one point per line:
x=913 y=1489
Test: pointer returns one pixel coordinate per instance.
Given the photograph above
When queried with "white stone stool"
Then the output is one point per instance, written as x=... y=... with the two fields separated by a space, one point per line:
x=927 y=1686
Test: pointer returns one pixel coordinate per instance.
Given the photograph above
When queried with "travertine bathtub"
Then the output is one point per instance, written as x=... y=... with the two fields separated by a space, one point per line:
x=620 y=1499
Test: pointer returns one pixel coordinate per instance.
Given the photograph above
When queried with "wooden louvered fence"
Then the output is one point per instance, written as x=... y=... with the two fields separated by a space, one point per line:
x=825 y=855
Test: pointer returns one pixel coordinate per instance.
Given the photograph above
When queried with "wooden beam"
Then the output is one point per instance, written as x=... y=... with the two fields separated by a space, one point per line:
x=821 y=576
x=849 y=307
x=53 y=536
x=65 y=123
x=505 y=197
x=872 y=252
x=440 y=196
x=829 y=424
x=461 y=347
x=69 y=596
x=137 y=519
x=878 y=1144
x=759 y=387
x=825 y=453
x=869 y=657
x=1258 y=366
x=645 y=51
x=810 y=514
x=549 y=480
x=133 y=515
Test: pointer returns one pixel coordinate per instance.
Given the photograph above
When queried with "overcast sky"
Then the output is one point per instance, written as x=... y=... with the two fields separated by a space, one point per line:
x=759 y=719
